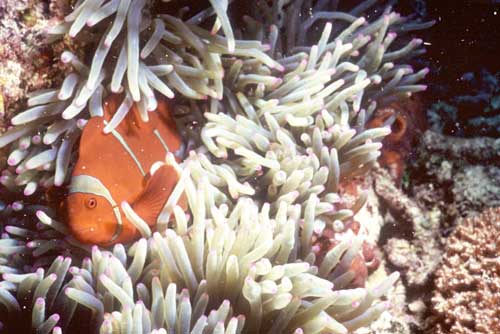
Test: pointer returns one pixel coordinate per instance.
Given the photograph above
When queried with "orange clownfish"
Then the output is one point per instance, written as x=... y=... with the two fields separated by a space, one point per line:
x=114 y=167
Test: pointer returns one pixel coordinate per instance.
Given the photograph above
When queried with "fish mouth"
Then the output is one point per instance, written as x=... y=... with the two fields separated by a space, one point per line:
x=101 y=234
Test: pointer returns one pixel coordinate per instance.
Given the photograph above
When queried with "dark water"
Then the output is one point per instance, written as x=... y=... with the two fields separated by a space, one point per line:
x=463 y=48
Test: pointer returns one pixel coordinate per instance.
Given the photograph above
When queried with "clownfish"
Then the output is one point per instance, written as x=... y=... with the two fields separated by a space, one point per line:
x=115 y=167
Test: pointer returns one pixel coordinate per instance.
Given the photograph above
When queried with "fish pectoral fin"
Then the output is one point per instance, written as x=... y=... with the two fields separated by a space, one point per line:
x=159 y=186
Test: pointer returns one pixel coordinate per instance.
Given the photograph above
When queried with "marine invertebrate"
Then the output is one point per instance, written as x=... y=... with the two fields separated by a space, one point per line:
x=367 y=259
x=231 y=263
x=190 y=60
x=468 y=281
x=276 y=122
x=53 y=121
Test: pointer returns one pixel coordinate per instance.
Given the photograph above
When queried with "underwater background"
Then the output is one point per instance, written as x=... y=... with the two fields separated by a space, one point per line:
x=294 y=208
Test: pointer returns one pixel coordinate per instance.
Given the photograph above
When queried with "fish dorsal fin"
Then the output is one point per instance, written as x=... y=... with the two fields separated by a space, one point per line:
x=159 y=186
x=132 y=123
x=111 y=104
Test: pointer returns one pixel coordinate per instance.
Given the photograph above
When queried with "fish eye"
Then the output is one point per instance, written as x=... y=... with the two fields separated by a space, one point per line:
x=91 y=203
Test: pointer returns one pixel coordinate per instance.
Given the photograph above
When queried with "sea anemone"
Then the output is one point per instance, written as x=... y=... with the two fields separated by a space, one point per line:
x=274 y=122
x=247 y=268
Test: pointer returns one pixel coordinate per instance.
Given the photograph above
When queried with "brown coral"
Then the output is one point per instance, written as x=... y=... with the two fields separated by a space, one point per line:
x=467 y=296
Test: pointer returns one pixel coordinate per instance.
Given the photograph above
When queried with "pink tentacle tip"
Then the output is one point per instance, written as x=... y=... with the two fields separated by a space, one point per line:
x=316 y=248
x=65 y=59
x=80 y=123
x=16 y=206
x=36 y=139
x=28 y=192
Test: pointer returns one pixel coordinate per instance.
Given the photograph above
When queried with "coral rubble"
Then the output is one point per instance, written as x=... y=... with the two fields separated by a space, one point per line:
x=465 y=170
x=467 y=291
x=420 y=256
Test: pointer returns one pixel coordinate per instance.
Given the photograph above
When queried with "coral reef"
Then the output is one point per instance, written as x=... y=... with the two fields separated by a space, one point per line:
x=417 y=250
x=274 y=116
x=467 y=291
x=26 y=62
x=473 y=150
x=451 y=177
x=465 y=170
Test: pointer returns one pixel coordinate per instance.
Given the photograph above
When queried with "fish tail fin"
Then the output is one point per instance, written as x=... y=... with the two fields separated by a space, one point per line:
x=159 y=186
